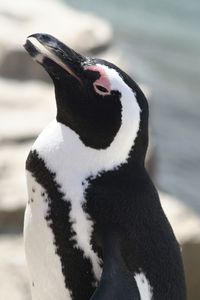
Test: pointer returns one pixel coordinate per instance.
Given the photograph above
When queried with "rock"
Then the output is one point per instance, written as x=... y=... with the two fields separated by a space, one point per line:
x=25 y=109
x=191 y=259
x=81 y=31
x=186 y=226
x=184 y=221
x=13 y=271
x=13 y=192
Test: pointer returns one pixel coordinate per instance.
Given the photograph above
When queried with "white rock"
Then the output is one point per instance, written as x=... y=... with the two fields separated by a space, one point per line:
x=13 y=271
x=26 y=108
x=18 y=19
x=80 y=30
x=13 y=192
x=185 y=223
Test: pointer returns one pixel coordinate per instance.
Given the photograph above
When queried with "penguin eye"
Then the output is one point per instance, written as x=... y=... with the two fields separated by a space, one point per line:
x=100 y=89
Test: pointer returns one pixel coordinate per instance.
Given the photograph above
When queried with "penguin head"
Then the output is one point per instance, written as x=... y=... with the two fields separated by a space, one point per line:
x=94 y=98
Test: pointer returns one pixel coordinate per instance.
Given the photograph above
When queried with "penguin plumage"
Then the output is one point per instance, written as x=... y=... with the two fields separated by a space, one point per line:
x=94 y=227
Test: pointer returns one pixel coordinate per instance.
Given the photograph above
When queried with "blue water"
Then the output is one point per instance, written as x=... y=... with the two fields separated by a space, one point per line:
x=160 y=40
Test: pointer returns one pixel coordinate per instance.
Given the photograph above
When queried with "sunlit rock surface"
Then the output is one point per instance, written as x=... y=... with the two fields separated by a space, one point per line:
x=13 y=272
x=18 y=19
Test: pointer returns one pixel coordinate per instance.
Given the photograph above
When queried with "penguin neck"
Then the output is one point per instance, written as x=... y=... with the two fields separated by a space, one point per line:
x=61 y=148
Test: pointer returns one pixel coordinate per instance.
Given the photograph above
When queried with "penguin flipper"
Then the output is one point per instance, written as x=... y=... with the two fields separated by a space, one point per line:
x=116 y=282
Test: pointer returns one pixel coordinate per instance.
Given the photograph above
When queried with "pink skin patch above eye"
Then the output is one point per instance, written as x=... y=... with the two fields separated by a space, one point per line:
x=103 y=80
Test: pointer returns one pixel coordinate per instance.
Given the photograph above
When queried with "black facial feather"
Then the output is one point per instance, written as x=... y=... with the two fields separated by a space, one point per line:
x=95 y=118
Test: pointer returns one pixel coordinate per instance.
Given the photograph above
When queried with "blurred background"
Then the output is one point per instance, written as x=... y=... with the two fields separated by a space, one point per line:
x=158 y=44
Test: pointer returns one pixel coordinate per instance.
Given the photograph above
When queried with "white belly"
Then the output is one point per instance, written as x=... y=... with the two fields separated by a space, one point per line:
x=46 y=278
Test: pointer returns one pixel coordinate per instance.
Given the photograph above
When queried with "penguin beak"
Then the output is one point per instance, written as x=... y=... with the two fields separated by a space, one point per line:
x=48 y=51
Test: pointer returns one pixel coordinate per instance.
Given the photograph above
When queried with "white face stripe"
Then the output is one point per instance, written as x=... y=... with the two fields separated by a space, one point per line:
x=66 y=155
x=145 y=290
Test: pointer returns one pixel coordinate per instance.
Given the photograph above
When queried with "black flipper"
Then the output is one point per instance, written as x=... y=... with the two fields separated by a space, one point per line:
x=116 y=283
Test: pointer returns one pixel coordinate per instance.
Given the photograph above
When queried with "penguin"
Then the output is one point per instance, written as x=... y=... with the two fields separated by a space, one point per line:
x=94 y=227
